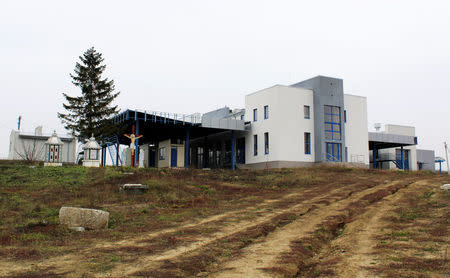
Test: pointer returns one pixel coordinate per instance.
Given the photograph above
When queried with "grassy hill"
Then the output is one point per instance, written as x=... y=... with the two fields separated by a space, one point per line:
x=196 y=209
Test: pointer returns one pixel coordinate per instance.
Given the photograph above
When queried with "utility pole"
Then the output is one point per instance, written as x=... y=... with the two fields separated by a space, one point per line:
x=18 y=122
x=446 y=156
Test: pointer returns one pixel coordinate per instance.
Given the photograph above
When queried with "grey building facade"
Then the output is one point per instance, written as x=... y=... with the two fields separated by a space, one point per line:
x=425 y=160
x=329 y=116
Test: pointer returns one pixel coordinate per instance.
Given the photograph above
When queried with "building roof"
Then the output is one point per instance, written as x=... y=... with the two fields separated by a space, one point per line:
x=382 y=140
x=54 y=140
x=91 y=144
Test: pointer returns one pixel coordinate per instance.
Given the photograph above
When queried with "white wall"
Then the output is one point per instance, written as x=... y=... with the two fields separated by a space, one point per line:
x=286 y=124
x=400 y=130
x=356 y=129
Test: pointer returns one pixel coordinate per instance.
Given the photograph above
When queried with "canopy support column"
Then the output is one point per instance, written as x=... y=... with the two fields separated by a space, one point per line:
x=233 y=152
x=186 y=150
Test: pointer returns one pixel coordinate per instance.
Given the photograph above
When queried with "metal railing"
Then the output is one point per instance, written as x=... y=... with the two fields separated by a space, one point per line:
x=167 y=117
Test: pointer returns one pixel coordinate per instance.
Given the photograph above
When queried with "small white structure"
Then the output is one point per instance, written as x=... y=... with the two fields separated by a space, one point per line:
x=91 y=156
x=53 y=151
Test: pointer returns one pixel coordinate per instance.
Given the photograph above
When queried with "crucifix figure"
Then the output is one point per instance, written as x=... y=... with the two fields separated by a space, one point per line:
x=133 y=139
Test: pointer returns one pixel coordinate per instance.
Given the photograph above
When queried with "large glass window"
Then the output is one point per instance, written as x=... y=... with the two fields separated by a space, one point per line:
x=307 y=111
x=307 y=143
x=255 y=115
x=332 y=122
x=255 y=144
x=334 y=152
x=266 y=112
x=266 y=143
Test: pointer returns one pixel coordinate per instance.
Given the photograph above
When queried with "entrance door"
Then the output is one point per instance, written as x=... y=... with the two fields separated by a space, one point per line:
x=398 y=157
x=151 y=158
x=240 y=144
x=173 y=157
x=334 y=152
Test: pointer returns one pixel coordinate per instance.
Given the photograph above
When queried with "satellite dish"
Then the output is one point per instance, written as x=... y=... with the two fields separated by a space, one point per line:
x=377 y=126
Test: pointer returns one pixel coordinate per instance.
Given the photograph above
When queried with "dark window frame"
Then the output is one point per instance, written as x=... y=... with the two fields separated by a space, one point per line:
x=255 y=114
x=266 y=142
x=307 y=138
x=255 y=144
x=266 y=112
x=306 y=108
x=332 y=123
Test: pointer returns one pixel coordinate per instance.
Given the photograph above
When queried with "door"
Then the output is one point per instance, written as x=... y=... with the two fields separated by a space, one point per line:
x=334 y=152
x=398 y=157
x=152 y=158
x=240 y=150
x=173 y=157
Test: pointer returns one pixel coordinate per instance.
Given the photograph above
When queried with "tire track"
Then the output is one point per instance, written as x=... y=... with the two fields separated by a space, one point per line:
x=306 y=209
x=266 y=254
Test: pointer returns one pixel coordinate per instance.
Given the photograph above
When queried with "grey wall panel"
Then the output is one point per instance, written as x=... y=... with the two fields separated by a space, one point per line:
x=327 y=91
x=426 y=158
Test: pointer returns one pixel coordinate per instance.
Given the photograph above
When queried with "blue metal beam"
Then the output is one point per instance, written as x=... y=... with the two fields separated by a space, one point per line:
x=186 y=150
x=375 y=154
x=403 y=160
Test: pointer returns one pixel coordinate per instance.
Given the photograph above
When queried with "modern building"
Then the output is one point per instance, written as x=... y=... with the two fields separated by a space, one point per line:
x=399 y=151
x=282 y=126
x=308 y=122
x=31 y=146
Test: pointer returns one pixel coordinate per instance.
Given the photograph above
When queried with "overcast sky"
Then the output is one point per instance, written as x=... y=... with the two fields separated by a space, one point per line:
x=195 y=56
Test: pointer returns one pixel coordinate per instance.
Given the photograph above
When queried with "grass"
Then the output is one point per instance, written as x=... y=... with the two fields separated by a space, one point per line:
x=419 y=233
x=30 y=199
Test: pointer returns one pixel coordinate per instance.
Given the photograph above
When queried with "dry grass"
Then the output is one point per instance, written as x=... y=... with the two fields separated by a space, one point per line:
x=30 y=199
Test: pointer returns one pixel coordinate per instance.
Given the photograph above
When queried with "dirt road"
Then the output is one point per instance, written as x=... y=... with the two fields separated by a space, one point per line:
x=313 y=232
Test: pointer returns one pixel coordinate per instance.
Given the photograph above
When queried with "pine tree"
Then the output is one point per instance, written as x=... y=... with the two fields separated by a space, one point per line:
x=91 y=112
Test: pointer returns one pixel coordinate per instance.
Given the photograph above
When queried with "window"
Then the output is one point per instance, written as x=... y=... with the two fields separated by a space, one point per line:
x=93 y=154
x=266 y=112
x=307 y=111
x=162 y=153
x=266 y=143
x=200 y=163
x=255 y=114
x=332 y=122
x=255 y=144
x=307 y=143
x=334 y=152
x=345 y=116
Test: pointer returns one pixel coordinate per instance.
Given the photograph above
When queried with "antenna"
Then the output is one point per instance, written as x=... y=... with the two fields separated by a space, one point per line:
x=446 y=156
x=377 y=126
x=18 y=122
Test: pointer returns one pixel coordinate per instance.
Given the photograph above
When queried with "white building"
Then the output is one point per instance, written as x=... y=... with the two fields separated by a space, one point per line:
x=282 y=126
x=31 y=146
x=308 y=122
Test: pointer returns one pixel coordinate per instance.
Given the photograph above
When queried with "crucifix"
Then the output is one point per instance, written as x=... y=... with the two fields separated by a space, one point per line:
x=133 y=137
